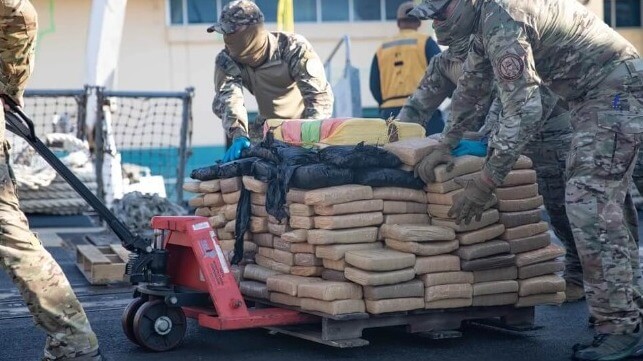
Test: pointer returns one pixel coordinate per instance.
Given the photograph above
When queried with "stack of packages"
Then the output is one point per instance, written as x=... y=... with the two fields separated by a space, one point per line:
x=529 y=239
x=492 y=249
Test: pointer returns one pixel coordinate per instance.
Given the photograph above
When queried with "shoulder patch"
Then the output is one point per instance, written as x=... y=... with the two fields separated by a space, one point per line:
x=314 y=67
x=510 y=67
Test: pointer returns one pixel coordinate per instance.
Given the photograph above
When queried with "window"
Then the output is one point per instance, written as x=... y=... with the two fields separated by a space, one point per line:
x=335 y=10
x=622 y=13
x=305 y=11
x=184 y=12
x=391 y=8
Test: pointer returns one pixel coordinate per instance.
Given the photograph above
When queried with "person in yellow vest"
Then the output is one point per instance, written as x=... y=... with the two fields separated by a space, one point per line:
x=400 y=63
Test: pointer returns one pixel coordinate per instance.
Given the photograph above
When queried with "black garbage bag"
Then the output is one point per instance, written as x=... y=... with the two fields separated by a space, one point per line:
x=264 y=171
x=259 y=151
x=359 y=156
x=387 y=177
x=232 y=169
x=320 y=176
x=242 y=223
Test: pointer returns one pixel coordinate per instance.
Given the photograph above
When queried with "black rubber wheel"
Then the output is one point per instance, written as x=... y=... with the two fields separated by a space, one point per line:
x=127 y=318
x=158 y=327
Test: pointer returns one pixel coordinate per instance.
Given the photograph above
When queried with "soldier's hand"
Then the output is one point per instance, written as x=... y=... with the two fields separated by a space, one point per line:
x=234 y=152
x=440 y=154
x=471 y=202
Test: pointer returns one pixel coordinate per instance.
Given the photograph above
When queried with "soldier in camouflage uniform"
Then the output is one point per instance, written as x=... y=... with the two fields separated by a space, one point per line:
x=39 y=278
x=523 y=45
x=548 y=149
x=280 y=69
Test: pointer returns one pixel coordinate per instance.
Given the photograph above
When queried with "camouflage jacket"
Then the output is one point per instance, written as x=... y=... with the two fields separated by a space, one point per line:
x=529 y=47
x=19 y=24
x=300 y=91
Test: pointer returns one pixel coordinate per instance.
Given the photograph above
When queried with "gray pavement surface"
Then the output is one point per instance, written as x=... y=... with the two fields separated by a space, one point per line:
x=559 y=328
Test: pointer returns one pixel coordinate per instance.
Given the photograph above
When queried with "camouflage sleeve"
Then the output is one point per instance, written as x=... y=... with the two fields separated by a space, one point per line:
x=493 y=117
x=228 y=98
x=308 y=71
x=434 y=87
x=472 y=97
x=509 y=50
x=19 y=23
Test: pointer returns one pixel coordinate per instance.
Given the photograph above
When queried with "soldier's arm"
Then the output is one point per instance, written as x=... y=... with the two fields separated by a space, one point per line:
x=308 y=71
x=434 y=87
x=228 y=98
x=518 y=84
x=493 y=116
x=472 y=97
x=19 y=29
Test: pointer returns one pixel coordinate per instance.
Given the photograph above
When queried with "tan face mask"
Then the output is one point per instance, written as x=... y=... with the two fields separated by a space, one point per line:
x=248 y=46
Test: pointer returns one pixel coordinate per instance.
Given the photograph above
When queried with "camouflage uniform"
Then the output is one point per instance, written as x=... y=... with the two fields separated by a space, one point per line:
x=548 y=149
x=562 y=45
x=39 y=278
x=290 y=84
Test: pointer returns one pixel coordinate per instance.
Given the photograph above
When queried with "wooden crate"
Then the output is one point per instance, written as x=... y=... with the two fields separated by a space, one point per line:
x=102 y=264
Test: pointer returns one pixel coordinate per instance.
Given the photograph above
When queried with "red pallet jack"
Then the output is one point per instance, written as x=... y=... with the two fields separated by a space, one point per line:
x=182 y=272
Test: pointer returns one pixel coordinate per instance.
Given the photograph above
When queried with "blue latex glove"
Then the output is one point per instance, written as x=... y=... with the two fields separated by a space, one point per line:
x=470 y=147
x=234 y=152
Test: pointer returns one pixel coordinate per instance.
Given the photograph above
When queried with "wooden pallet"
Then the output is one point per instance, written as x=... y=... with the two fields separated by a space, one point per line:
x=345 y=331
x=102 y=264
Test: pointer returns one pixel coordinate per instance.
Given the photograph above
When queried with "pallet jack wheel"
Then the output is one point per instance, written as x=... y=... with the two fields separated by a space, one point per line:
x=127 y=318
x=159 y=327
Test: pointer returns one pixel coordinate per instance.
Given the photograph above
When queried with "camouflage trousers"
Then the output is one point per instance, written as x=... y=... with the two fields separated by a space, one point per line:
x=608 y=128
x=548 y=151
x=40 y=280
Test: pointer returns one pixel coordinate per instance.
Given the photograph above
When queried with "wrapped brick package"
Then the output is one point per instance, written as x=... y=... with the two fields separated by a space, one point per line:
x=346 y=236
x=371 y=205
x=330 y=291
x=394 y=305
x=435 y=264
x=379 y=259
x=414 y=288
x=367 y=278
x=446 y=278
x=349 y=220
x=481 y=235
x=423 y=248
x=288 y=284
x=336 y=252
x=338 y=307
x=417 y=233
x=338 y=194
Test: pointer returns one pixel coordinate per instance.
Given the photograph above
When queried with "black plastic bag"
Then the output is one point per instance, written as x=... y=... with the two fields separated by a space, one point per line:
x=242 y=223
x=260 y=151
x=387 y=177
x=359 y=156
x=224 y=170
x=320 y=176
x=264 y=171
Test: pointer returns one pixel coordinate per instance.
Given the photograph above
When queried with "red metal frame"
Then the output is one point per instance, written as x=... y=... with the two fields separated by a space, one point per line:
x=196 y=261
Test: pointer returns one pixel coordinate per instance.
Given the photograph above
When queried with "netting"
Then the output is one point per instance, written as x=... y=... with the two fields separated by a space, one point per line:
x=147 y=132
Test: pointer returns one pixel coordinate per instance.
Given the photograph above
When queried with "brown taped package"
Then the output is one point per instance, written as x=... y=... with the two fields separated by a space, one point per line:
x=197 y=201
x=498 y=274
x=530 y=243
x=462 y=165
x=231 y=198
x=259 y=211
x=300 y=210
x=230 y=185
x=284 y=299
x=487 y=263
x=434 y=264
x=211 y=186
x=334 y=265
x=258 y=199
x=366 y=278
x=413 y=288
x=371 y=205
x=258 y=224
x=543 y=299
x=411 y=151
x=306 y=271
x=525 y=231
x=401 y=207
x=412 y=218
x=517 y=193
x=379 y=259
x=258 y=273
x=330 y=291
x=452 y=303
x=254 y=289
x=302 y=248
x=332 y=275
x=491 y=288
x=193 y=187
x=540 y=269
x=541 y=284
x=399 y=194
x=295 y=236
x=417 y=233
x=349 y=220
x=214 y=200
x=202 y=212
x=280 y=244
x=423 y=248
x=517 y=205
x=515 y=219
x=288 y=284
x=394 y=305
x=540 y=255
x=480 y=235
x=263 y=239
x=338 y=307
x=338 y=194
x=297 y=222
x=295 y=195
x=348 y=236
x=485 y=249
x=446 y=292
x=446 y=278
x=307 y=259
x=336 y=251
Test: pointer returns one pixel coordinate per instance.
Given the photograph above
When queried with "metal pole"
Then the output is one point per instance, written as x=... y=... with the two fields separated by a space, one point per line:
x=186 y=136
x=100 y=141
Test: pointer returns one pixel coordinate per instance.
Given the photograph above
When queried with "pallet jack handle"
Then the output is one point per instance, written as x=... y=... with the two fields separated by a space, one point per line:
x=19 y=123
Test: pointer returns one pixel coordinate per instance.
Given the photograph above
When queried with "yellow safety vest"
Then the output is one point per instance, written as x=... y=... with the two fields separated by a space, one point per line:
x=402 y=63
